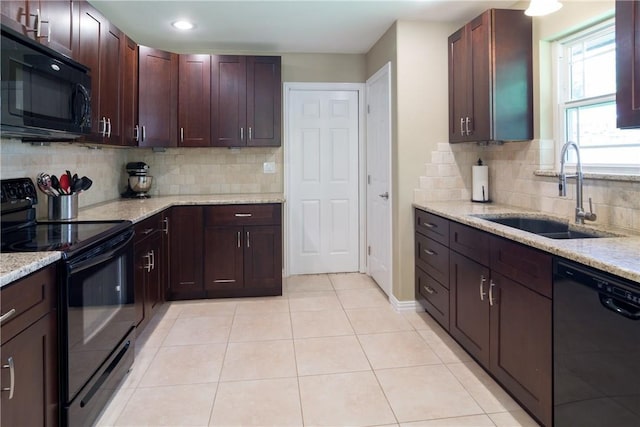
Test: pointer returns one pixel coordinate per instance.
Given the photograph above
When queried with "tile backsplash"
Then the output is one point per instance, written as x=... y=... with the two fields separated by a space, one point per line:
x=512 y=182
x=175 y=171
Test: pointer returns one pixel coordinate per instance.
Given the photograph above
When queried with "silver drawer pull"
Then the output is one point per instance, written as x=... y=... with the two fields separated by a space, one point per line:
x=7 y=315
x=146 y=231
x=243 y=215
x=429 y=225
x=429 y=290
x=224 y=281
x=492 y=300
x=482 y=292
x=12 y=377
x=429 y=252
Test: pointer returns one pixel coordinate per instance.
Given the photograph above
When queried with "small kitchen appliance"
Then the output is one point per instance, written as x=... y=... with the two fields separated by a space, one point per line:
x=139 y=182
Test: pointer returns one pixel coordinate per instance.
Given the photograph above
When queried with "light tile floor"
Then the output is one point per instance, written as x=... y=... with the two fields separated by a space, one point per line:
x=330 y=352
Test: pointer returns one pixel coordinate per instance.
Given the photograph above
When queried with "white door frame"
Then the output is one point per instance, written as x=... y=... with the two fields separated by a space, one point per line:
x=362 y=169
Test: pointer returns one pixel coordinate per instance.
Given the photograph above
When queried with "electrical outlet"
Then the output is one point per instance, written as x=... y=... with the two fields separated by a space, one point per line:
x=269 y=167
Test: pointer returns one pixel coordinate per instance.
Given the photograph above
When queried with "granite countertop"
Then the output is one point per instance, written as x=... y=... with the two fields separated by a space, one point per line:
x=618 y=255
x=14 y=266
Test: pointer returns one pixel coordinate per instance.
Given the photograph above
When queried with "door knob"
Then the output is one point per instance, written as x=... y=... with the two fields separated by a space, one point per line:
x=384 y=195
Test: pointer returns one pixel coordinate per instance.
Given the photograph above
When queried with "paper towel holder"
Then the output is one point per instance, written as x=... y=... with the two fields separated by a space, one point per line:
x=480 y=190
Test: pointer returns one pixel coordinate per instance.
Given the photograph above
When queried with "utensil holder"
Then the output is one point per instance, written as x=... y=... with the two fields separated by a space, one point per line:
x=63 y=207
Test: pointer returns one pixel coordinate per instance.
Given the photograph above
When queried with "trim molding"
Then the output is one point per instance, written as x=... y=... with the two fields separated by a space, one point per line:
x=404 y=306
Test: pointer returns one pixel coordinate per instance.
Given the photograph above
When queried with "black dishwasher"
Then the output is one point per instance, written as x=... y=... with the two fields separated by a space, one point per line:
x=596 y=348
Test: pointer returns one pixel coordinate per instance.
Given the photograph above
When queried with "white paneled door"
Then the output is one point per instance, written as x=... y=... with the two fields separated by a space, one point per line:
x=323 y=204
x=378 y=178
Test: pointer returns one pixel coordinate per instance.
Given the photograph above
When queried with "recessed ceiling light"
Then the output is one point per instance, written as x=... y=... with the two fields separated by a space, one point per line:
x=183 y=25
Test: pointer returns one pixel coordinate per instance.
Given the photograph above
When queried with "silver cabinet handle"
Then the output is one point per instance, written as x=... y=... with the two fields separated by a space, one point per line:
x=109 y=127
x=143 y=133
x=429 y=252
x=492 y=300
x=181 y=134
x=429 y=225
x=103 y=122
x=165 y=220
x=248 y=240
x=461 y=126
x=429 y=290
x=7 y=315
x=224 y=281
x=12 y=376
x=483 y=294
x=243 y=215
x=250 y=134
x=147 y=231
x=241 y=134
x=147 y=256
x=384 y=195
x=468 y=121
x=136 y=133
x=238 y=239
x=153 y=260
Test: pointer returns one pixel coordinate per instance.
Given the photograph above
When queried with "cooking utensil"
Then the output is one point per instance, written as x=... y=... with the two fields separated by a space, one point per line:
x=76 y=185
x=44 y=184
x=64 y=183
x=55 y=183
x=86 y=183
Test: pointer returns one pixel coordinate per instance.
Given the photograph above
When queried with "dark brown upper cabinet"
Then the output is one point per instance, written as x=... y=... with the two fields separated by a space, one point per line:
x=48 y=22
x=194 y=101
x=99 y=46
x=628 y=63
x=246 y=101
x=491 y=78
x=129 y=109
x=157 y=98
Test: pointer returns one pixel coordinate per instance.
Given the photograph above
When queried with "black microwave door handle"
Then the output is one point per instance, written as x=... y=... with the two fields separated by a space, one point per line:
x=88 y=263
x=82 y=106
x=610 y=303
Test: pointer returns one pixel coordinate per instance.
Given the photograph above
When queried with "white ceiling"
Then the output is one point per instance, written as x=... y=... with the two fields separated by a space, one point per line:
x=329 y=26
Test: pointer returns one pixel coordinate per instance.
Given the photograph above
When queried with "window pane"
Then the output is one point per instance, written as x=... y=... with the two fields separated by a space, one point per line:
x=629 y=156
x=592 y=65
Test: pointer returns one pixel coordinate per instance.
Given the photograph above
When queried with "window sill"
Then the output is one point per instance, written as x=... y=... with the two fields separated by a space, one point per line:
x=594 y=175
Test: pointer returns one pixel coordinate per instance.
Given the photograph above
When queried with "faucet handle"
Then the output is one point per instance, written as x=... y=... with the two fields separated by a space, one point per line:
x=590 y=216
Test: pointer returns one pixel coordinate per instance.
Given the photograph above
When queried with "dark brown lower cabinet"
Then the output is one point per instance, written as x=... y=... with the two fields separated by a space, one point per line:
x=29 y=361
x=149 y=269
x=185 y=253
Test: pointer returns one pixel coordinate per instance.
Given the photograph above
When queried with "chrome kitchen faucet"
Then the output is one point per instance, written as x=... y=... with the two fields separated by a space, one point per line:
x=581 y=215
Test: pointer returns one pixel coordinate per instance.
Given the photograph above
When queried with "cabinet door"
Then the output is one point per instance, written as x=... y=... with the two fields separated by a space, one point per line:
x=224 y=247
x=141 y=267
x=469 y=311
x=21 y=14
x=158 y=98
x=458 y=81
x=154 y=283
x=129 y=109
x=58 y=25
x=111 y=83
x=228 y=101
x=194 y=101
x=479 y=79
x=521 y=357
x=186 y=246
x=264 y=96
x=263 y=257
x=628 y=63
x=33 y=353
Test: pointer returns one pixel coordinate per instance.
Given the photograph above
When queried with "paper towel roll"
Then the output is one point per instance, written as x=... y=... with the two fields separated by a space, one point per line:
x=480 y=177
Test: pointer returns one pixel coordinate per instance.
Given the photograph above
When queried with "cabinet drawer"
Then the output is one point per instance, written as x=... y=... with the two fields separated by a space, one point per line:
x=433 y=296
x=470 y=242
x=256 y=214
x=525 y=265
x=433 y=258
x=148 y=226
x=432 y=226
x=31 y=298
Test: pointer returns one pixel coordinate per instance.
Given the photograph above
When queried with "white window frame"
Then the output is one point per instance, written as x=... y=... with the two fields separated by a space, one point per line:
x=561 y=92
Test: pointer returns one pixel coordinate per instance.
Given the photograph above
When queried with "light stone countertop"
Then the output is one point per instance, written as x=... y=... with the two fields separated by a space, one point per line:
x=615 y=255
x=14 y=266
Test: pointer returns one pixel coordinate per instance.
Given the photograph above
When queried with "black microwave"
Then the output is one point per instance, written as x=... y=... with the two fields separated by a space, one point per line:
x=45 y=95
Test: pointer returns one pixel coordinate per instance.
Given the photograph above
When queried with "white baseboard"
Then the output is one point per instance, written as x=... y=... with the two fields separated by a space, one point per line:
x=406 y=306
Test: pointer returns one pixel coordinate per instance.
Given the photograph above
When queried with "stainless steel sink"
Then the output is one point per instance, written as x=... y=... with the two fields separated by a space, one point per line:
x=550 y=228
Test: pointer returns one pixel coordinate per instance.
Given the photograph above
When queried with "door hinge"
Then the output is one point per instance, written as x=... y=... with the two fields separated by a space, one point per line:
x=368 y=109
x=368 y=250
x=369 y=179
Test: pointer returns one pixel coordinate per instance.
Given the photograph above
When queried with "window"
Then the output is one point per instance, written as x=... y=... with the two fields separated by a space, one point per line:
x=586 y=96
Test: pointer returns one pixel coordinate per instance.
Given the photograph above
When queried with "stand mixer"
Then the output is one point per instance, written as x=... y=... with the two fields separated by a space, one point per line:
x=139 y=182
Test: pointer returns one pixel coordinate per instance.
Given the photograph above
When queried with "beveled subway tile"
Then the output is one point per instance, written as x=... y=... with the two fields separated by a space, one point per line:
x=489 y=395
x=353 y=399
x=261 y=327
x=377 y=320
x=199 y=330
x=326 y=323
x=189 y=364
x=426 y=392
x=259 y=360
x=330 y=355
x=397 y=349
x=273 y=402
x=179 y=405
x=342 y=281
x=308 y=283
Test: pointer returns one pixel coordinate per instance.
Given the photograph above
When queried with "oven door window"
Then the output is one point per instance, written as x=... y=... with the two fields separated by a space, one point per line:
x=100 y=313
